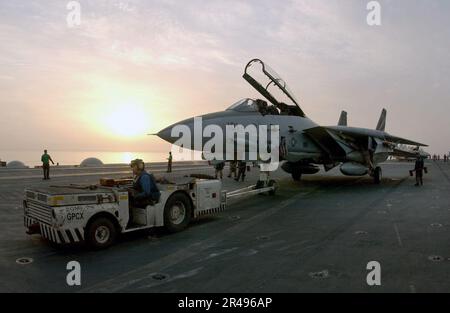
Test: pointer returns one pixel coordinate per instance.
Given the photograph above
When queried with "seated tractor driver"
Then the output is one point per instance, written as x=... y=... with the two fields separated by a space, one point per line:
x=145 y=191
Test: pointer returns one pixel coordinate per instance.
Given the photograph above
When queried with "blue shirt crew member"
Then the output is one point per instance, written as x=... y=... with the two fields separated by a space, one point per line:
x=145 y=191
x=148 y=187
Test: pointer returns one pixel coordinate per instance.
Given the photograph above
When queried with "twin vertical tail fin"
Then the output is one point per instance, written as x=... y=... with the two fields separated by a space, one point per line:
x=343 y=119
x=381 y=126
x=382 y=121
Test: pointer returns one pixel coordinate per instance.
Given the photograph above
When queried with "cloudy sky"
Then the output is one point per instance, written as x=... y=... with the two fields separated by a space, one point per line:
x=134 y=67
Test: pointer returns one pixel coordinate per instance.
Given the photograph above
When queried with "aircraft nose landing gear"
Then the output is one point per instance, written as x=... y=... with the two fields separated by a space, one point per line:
x=296 y=174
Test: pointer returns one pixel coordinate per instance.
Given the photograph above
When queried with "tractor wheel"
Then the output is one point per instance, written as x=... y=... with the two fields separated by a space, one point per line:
x=101 y=233
x=177 y=212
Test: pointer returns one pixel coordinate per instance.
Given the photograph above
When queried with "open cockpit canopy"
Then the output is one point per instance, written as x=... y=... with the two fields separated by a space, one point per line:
x=270 y=85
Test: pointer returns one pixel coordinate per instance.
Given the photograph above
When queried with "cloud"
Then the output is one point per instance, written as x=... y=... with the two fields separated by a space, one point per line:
x=193 y=52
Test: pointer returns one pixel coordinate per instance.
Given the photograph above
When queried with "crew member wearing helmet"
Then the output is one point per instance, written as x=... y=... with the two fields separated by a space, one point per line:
x=145 y=191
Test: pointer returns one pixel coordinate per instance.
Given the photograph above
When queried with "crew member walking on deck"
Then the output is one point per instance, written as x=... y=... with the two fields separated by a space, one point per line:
x=233 y=165
x=419 y=168
x=219 y=169
x=242 y=167
x=46 y=159
x=169 y=163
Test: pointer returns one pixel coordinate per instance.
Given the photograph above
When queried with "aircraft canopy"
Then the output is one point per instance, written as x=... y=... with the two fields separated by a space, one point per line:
x=244 y=105
x=266 y=81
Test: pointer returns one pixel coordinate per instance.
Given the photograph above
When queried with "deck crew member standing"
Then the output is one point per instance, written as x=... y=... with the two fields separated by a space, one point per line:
x=233 y=165
x=242 y=167
x=219 y=169
x=418 y=168
x=169 y=163
x=46 y=159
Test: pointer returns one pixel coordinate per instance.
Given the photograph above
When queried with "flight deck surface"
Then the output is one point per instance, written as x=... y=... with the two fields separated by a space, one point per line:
x=317 y=235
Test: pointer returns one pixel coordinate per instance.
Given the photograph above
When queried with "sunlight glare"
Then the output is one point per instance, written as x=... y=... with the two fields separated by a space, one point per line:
x=127 y=157
x=127 y=120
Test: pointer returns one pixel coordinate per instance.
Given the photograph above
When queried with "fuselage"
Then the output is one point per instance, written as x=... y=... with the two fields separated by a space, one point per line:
x=282 y=126
x=233 y=117
x=300 y=144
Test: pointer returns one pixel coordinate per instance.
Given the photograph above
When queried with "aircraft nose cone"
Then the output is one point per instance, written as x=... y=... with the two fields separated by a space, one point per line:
x=176 y=129
x=165 y=134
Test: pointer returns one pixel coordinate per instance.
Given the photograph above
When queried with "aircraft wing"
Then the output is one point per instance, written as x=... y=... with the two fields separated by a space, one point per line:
x=355 y=132
x=404 y=153
x=326 y=142
x=403 y=141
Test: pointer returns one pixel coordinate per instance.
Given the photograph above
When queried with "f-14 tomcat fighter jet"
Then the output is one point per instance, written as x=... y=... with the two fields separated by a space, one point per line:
x=304 y=145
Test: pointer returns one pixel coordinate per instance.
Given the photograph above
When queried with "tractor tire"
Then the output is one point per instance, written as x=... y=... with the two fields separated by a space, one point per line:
x=177 y=212
x=101 y=233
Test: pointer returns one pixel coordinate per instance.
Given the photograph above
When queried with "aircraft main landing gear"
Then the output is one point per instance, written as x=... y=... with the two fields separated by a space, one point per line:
x=377 y=175
x=296 y=175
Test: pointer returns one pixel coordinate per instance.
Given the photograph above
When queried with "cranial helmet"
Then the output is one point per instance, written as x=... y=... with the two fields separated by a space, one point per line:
x=138 y=163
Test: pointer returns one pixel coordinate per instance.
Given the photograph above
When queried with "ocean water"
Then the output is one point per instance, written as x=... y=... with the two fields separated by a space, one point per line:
x=33 y=157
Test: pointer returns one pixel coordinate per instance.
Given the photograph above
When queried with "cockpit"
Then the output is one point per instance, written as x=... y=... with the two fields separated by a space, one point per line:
x=244 y=105
x=270 y=85
x=262 y=107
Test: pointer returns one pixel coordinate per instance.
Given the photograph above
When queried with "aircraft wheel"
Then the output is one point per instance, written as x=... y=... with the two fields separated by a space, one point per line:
x=272 y=183
x=377 y=175
x=296 y=175
x=260 y=184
